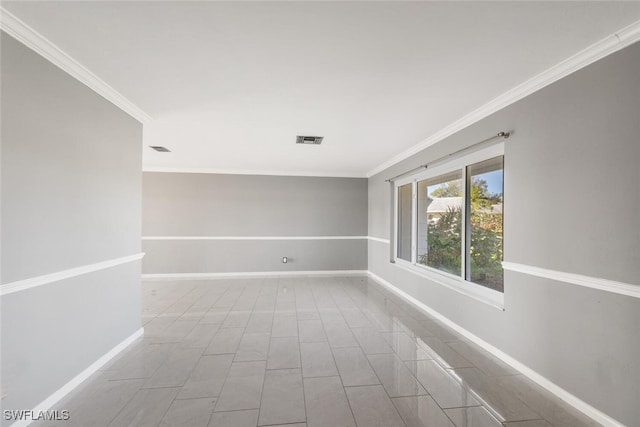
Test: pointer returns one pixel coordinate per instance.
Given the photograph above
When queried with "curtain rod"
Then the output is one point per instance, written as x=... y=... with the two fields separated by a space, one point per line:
x=502 y=134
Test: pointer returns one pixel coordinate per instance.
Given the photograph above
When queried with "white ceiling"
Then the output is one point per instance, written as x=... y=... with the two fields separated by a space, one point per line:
x=230 y=85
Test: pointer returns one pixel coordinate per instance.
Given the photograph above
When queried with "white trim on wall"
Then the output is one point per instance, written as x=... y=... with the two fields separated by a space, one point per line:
x=33 y=282
x=608 y=45
x=622 y=38
x=324 y=174
x=374 y=239
x=54 y=398
x=561 y=393
x=628 y=289
x=240 y=275
x=576 y=279
x=255 y=237
x=38 y=43
x=379 y=239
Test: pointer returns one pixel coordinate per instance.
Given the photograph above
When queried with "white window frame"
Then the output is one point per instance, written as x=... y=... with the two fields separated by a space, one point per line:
x=457 y=283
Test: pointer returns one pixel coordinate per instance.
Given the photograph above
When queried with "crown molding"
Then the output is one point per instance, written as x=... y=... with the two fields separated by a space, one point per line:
x=26 y=35
x=41 y=45
x=608 y=45
x=324 y=174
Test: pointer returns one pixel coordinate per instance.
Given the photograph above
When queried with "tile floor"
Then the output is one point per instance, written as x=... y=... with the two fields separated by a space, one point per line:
x=330 y=351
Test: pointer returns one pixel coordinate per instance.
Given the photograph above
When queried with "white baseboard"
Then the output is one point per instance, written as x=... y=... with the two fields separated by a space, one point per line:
x=561 y=393
x=240 y=275
x=54 y=398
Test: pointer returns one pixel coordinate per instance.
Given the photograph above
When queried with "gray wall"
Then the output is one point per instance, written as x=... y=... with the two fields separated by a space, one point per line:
x=184 y=204
x=572 y=197
x=71 y=190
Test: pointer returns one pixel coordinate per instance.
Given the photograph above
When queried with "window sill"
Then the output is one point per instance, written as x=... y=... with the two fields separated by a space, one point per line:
x=477 y=292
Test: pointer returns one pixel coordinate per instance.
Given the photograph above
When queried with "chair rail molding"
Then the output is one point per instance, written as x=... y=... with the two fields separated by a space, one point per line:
x=255 y=237
x=576 y=279
x=21 y=285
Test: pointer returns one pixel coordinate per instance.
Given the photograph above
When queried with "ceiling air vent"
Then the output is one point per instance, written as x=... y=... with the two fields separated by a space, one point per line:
x=309 y=140
x=160 y=149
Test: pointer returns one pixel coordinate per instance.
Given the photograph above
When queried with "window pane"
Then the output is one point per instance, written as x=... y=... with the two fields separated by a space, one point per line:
x=440 y=221
x=485 y=200
x=404 y=222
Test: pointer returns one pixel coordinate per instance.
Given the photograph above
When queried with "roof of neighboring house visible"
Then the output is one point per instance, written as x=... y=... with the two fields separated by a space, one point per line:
x=442 y=204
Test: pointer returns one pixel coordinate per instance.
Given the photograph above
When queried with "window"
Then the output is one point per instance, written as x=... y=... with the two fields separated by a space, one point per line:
x=440 y=222
x=449 y=219
x=484 y=204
